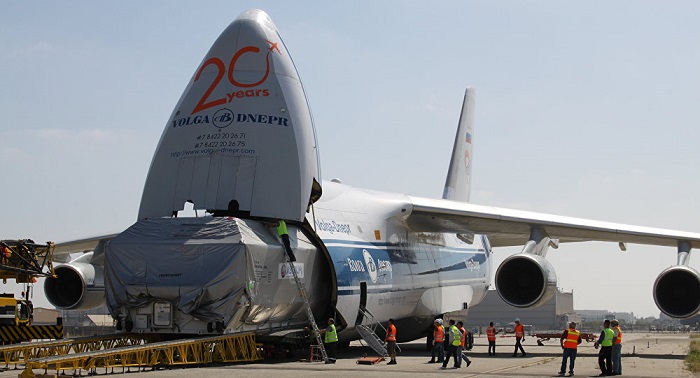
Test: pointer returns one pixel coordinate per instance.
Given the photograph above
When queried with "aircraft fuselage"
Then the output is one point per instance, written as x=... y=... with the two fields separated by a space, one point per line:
x=408 y=276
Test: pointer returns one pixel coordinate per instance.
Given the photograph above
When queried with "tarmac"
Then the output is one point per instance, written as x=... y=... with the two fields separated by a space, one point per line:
x=644 y=355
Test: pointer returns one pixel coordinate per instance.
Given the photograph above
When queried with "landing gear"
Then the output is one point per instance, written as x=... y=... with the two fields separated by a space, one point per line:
x=429 y=342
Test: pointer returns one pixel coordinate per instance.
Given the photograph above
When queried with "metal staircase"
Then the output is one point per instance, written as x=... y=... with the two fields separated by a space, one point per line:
x=369 y=335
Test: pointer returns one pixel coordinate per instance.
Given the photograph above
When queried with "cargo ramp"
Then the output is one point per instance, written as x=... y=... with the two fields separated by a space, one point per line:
x=96 y=356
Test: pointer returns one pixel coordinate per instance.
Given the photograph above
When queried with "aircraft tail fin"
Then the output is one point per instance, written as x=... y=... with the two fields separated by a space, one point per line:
x=459 y=175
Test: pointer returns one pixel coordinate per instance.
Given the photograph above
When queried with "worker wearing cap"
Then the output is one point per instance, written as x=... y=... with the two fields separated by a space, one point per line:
x=605 y=341
x=570 y=340
x=438 y=342
x=330 y=341
x=616 y=347
x=519 y=334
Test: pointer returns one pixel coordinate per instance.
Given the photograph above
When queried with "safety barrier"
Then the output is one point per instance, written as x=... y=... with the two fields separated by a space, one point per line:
x=19 y=333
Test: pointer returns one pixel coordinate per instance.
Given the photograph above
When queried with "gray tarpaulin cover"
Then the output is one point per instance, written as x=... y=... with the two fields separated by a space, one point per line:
x=202 y=266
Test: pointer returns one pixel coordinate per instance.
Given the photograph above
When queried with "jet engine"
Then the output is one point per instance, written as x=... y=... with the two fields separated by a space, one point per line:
x=676 y=292
x=79 y=285
x=526 y=280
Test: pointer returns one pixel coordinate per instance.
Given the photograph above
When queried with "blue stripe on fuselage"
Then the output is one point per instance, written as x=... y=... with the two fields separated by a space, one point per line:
x=393 y=267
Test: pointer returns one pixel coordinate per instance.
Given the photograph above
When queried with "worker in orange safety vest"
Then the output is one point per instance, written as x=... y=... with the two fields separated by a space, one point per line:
x=519 y=335
x=438 y=342
x=391 y=342
x=463 y=343
x=570 y=340
x=617 y=347
x=491 y=333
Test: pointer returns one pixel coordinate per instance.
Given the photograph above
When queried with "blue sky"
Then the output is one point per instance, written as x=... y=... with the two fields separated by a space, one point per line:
x=585 y=109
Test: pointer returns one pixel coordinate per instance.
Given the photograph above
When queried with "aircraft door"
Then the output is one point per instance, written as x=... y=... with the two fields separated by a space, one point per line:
x=214 y=182
x=363 y=302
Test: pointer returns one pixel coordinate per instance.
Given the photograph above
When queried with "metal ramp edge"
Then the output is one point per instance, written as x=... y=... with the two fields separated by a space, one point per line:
x=216 y=349
x=22 y=352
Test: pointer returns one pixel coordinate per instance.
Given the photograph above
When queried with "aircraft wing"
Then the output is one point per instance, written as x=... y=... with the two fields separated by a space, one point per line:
x=63 y=249
x=507 y=227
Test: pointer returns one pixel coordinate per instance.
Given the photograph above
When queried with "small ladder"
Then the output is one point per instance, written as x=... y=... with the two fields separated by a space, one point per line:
x=309 y=313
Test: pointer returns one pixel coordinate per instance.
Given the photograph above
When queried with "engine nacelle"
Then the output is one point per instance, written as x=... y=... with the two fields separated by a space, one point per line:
x=677 y=292
x=78 y=286
x=526 y=280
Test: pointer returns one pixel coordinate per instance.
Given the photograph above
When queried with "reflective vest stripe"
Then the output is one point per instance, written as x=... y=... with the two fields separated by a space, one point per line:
x=391 y=333
x=331 y=334
x=519 y=331
x=608 y=337
x=571 y=341
x=439 y=334
x=491 y=333
x=456 y=335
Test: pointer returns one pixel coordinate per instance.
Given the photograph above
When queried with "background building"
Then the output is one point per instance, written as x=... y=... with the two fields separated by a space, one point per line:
x=45 y=316
x=554 y=315
x=96 y=321
x=593 y=316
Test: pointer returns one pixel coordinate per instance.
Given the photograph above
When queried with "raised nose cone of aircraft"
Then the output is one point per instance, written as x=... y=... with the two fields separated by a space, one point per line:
x=240 y=140
x=254 y=49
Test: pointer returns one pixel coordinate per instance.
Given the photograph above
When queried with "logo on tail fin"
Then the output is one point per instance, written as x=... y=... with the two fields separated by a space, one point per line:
x=221 y=69
x=222 y=118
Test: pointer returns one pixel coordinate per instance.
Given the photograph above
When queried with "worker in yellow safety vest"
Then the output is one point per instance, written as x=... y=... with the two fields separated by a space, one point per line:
x=605 y=341
x=454 y=339
x=438 y=349
x=570 y=340
x=330 y=341
x=284 y=235
x=491 y=332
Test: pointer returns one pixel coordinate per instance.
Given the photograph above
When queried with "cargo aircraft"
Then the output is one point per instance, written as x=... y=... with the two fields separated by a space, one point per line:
x=240 y=149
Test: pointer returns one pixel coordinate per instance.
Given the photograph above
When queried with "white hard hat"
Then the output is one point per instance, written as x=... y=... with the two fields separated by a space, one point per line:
x=439 y=321
x=517 y=319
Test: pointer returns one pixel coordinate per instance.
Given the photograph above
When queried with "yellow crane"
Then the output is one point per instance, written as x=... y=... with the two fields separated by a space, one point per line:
x=24 y=260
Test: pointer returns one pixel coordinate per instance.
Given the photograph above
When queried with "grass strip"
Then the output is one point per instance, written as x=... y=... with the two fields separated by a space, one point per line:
x=692 y=360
